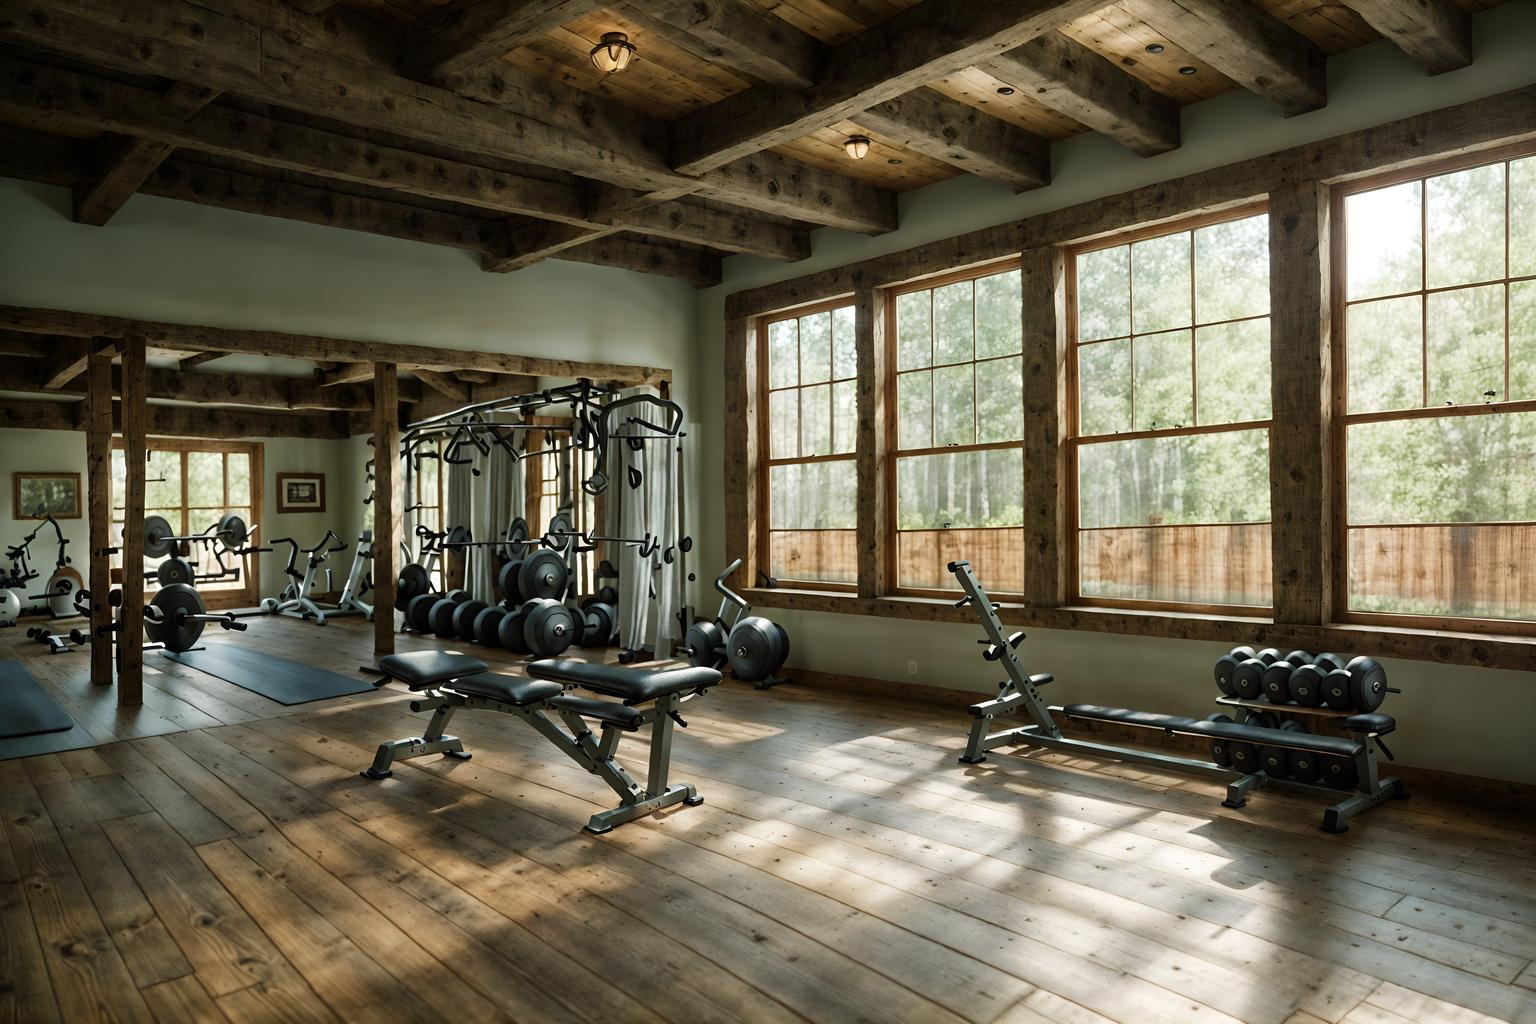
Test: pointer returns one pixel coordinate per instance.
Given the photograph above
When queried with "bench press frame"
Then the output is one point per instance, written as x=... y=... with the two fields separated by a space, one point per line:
x=599 y=757
x=1021 y=692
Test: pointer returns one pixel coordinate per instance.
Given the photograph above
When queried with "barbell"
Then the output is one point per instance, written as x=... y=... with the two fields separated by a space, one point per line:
x=177 y=615
x=160 y=538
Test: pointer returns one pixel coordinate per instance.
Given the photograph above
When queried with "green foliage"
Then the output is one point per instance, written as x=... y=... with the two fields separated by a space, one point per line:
x=956 y=490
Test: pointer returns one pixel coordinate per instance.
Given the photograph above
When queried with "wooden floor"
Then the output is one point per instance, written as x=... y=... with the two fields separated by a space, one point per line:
x=219 y=858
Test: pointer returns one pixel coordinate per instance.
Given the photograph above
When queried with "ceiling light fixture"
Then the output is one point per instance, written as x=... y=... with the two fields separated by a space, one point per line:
x=613 y=54
x=1154 y=47
x=857 y=147
x=1005 y=90
x=1186 y=70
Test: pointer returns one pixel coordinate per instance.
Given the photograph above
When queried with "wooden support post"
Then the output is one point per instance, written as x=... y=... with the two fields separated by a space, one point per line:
x=1301 y=442
x=98 y=461
x=871 y=463
x=1047 y=547
x=135 y=412
x=386 y=516
x=741 y=448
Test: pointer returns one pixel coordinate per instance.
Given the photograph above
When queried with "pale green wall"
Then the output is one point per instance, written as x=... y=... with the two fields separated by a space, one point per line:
x=1368 y=86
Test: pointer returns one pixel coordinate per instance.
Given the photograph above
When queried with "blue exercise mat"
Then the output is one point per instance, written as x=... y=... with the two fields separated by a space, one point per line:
x=25 y=707
x=287 y=682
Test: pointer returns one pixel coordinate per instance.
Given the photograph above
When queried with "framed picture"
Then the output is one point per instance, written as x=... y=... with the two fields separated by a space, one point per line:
x=301 y=492
x=37 y=495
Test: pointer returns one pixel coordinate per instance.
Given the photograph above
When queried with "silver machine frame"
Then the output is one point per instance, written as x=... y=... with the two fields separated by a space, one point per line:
x=1021 y=692
x=576 y=740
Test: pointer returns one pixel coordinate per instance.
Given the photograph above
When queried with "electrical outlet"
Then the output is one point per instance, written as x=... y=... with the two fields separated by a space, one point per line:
x=911 y=668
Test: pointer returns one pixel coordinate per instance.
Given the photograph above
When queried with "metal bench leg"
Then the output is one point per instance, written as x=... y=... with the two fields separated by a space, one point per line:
x=1238 y=790
x=435 y=741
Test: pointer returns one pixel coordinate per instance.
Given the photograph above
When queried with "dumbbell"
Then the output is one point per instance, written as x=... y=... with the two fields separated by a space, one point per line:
x=39 y=633
x=1329 y=662
x=598 y=621
x=1305 y=685
x=77 y=637
x=509 y=631
x=1219 y=752
x=1362 y=686
x=1338 y=771
x=549 y=627
x=1226 y=666
x=464 y=619
x=1248 y=677
x=1302 y=765
x=486 y=624
x=1276 y=678
x=1276 y=760
x=418 y=612
x=440 y=616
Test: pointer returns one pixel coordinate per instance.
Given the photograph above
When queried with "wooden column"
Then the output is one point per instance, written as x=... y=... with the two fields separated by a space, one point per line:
x=873 y=517
x=135 y=413
x=386 y=504
x=741 y=449
x=1301 y=443
x=98 y=461
x=1047 y=547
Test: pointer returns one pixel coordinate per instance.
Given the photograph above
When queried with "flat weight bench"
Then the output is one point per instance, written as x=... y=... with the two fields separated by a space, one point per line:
x=450 y=681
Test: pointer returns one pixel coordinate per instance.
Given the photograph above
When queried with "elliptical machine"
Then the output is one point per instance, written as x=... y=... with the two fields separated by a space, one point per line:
x=59 y=592
x=297 y=596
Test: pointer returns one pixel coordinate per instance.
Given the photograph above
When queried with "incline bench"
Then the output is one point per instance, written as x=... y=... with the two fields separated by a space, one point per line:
x=1354 y=756
x=451 y=681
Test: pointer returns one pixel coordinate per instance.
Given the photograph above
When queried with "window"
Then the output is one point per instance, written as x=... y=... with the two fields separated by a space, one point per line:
x=957 y=432
x=544 y=479
x=1436 y=344
x=810 y=420
x=1170 y=416
x=194 y=485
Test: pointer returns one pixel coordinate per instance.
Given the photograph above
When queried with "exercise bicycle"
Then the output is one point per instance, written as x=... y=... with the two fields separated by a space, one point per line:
x=59 y=592
x=298 y=597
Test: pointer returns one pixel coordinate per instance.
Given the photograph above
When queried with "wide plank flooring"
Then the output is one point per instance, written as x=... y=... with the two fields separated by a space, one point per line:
x=217 y=857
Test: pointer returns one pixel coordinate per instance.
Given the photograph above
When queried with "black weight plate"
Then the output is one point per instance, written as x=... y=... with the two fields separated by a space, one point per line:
x=549 y=629
x=1274 y=762
x=456 y=595
x=753 y=648
x=608 y=595
x=516 y=539
x=510 y=632
x=1306 y=686
x=1241 y=653
x=1262 y=720
x=174 y=570
x=1368 y=683
x=1244 y=757
x=1338 y=689
x=1299 y=658
x=1328 y=662
x=597 y=625
x=419 y=610
x=1219 y=752
x=783 y=646
x=1277 y=682
x=542 y=574
x=704 y=640
x=156 y=531
x=440 y=617
x=1339 y=771
x=464 y=619
x=1248 y=679
x=486 y=624
x=506 y=582
x=413 y=580
x=457 y=535
x=231 y=531
x=1268 y=655
x=171 y=600
x=1303 y=765
x=1226 y=666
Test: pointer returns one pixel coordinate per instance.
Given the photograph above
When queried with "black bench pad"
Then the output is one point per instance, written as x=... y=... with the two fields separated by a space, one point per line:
x=518 y=690
x=1217 y=730
x=1371 y=722
x=421 y=669
x=621 y=715
x=632 y=685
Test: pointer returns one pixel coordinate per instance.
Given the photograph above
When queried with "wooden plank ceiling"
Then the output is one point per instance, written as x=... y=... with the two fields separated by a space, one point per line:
x=483 y=125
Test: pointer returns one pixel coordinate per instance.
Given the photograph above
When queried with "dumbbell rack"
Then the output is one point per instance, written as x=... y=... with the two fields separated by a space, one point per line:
x=1283 y=709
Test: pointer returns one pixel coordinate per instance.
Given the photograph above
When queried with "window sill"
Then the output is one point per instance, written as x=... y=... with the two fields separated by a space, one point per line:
x=1474 y=649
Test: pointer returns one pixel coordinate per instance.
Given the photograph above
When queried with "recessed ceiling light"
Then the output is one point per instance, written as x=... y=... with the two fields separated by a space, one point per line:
x=612 y=54
x=857 y=146
x=1005 y=90
x=894 y=160
x=1154 y=47
x=1186 y=70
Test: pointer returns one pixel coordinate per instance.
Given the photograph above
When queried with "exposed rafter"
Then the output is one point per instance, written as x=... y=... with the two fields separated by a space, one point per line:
x=1436 y=33
x=444 y=384
x=465 y=34
x=262 y=392
x=66 y=363
x=198 y=359
x=129 y=160
x=346 y=373
x=1070 y=78
x=737 y=35
x=1257 y=51
x=922 y=43
x=959 y=134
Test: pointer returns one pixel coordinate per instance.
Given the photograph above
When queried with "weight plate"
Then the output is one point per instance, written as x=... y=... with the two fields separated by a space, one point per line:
x=597 y=625
x=413 y=580
x=1244 y=757
x=1328 y=662
x=506 y=582
x=608 y=595
x=1276 y=681
x=1302 y=765
x=1338 y=771
x=1219 y=752
x=1248 y=679
x=1261 y=720
x=485 y=626
x=1338 y=689
x=559 y=524
x=516 y=539
x=510 y=633
x=1268 y=655
x=783 y=646
x=1241 y=653
x=157 y=534
x=418 y=612
x=172 y=602
x=1226 y=667
x=464 y=619
x=457 y=535
x=542 y=574
x=1306 y=686
x=1274 y=762
x=1368 y=684
x=231 y=531
x=704 y=641
x=174 y=570
x=753 y=648
x=440 y=617
x=549 y=629
x=1299 y=658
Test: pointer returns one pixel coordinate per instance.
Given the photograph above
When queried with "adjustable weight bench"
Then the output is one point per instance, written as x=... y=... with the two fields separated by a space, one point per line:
x=450 y=681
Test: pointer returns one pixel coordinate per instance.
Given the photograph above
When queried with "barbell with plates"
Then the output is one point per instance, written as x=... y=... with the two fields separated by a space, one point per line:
x=542 y=574
x=413 y=581
x=599 y=622
x=756 y=648
x=160 y=538
x=549 y=627
x=174 y=570
x=176 y=617
x=705 y=643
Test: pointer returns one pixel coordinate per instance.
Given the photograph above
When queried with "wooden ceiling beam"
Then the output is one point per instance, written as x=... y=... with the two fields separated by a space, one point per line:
x=466 y=34
x=611 y=206
x=254 y=390
x=959 y=134
x=1436 y=33
x=198 y=359
x=737 y=35
x=346 y=373
x=130 y=160
x=183 y=421
x=66 y=363
x=27 y=346
x=444 y=385
x=1071 y=79
x=922 y=43
x=701 y=269
x=305 y=64
x=535 y=241
x=1254 y=49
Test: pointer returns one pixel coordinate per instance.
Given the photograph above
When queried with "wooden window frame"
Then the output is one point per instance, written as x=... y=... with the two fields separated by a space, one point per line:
x=766 y=462
x=1343 y=419
x=1074 y=441
x=891 y=554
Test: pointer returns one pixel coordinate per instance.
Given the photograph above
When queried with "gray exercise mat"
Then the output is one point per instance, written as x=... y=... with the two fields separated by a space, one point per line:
x=287 y=682
x=25 y=707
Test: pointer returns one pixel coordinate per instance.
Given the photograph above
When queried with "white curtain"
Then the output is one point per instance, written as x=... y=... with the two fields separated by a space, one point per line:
x=485 y=505
x=647 y=585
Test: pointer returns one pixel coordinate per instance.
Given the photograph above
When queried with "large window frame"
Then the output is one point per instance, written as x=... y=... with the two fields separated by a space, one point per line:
x=1343 y=419
x=1074 y=440
x=895 y=453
